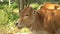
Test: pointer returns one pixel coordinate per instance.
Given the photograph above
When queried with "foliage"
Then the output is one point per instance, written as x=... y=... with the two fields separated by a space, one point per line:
x=34 y=5
x=1 y=6
x=7 y=18
x=14 y=5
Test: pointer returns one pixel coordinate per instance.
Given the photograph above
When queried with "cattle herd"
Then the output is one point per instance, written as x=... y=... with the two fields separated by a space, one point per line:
x=46 y=20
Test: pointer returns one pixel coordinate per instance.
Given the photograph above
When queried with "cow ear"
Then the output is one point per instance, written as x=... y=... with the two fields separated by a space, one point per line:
x=34 y=12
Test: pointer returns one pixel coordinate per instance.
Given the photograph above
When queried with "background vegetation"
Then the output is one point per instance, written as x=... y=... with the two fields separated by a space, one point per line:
x=10 y=13
x=8 y=16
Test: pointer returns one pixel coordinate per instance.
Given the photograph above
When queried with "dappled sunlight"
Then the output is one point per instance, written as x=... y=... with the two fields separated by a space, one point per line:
x=19 y=31
x=16 y=11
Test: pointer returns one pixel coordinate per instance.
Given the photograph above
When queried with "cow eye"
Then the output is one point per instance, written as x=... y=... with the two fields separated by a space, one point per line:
x=26 y=15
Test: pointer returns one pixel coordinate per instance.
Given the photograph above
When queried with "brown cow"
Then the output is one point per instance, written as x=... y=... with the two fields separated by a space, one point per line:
x=51 y=13
x=31 y=19
x=51 y=17
x=38 y=21
x=52 y=21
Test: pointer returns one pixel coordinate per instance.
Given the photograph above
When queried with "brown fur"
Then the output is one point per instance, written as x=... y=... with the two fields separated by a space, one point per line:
x=51 y=17
x=45 y=19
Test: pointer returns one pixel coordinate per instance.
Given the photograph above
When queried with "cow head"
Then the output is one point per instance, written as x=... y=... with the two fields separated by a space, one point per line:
x=27 y=17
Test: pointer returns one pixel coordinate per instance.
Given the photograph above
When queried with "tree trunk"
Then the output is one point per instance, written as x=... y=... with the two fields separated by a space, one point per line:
x=21 y=5
x=9 y=3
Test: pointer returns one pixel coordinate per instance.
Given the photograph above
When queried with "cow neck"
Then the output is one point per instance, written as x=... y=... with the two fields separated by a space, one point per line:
x=40 y=19
x=36 y=25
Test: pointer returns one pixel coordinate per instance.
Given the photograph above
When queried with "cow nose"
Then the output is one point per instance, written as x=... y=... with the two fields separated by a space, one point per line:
x=19 y=25
x=16 y=24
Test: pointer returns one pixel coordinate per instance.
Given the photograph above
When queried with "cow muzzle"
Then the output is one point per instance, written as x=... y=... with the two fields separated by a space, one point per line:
x=18 y=25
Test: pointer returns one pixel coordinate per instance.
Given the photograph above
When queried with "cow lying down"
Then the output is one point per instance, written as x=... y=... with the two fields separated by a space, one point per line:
x=42 y=21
